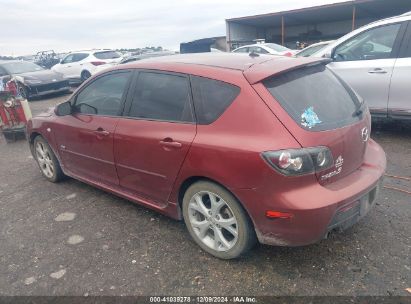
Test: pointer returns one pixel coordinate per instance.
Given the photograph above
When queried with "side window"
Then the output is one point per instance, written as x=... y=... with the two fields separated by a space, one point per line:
x=242 y=50
x=68 y=59
x=376 y=43
x=258 y=50
x=262 y=51
x=103 y=96
x=211 y=98
x=162 y=97
x=79 y=56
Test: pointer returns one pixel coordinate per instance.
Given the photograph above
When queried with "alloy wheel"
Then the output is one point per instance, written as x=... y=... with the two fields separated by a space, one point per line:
x=44 y=159
x=213 y=221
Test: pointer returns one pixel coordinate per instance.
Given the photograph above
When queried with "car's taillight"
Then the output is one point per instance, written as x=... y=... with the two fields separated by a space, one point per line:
x=97 y=62
x=299 y=161
x=288 y=54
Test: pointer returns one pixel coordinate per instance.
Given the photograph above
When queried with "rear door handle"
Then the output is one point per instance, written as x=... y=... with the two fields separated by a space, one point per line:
x=377 y=71
x=170 y=143
x=101 y=132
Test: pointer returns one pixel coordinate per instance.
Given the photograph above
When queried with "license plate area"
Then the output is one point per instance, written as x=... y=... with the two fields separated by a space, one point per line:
x=350 y=214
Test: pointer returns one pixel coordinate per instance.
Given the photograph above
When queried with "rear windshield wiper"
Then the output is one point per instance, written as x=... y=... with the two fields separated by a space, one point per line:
x=359 y=108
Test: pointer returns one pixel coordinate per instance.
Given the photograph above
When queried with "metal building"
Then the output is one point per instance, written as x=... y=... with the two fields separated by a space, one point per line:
x=312 y=24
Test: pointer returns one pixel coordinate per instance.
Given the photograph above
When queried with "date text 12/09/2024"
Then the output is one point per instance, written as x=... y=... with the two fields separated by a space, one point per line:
x=204 y=299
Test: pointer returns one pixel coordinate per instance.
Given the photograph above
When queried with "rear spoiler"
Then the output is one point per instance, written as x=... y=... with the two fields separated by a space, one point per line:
x=281 y=64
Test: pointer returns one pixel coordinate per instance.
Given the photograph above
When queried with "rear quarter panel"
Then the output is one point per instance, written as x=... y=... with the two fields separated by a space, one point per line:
x=228 y=150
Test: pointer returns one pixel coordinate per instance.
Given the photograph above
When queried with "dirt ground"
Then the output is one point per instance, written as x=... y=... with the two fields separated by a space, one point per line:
x=72 y=239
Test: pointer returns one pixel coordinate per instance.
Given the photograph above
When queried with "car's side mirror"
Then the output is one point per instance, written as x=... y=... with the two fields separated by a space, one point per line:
x=327 y=55
x=63 y=109
x=330 y=54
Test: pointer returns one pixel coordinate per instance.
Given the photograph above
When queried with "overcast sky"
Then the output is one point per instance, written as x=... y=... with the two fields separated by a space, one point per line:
x=27 y=27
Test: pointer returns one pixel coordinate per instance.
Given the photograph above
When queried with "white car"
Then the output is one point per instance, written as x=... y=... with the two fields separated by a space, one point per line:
x=312 y=49
x=265 y=48
x=78 y=66
x=376 y=61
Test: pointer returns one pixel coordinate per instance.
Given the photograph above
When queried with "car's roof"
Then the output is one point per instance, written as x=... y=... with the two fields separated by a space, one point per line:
x=258 y=44
x=321 y=43
x=91 y=51
x=254 y=68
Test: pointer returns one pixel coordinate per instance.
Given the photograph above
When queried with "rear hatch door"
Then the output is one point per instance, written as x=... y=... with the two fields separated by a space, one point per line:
x=320 y=109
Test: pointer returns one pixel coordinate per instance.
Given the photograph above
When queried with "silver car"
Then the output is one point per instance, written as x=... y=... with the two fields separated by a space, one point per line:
x=376 y=61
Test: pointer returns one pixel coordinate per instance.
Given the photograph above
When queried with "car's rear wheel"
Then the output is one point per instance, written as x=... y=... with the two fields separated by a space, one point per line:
x=216 y=220
x=85 y=75
x=47 y=161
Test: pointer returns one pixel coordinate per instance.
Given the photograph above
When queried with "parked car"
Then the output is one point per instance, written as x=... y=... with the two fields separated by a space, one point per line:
x=78 y=66
x=376 y=61
x=265 y=48
x=219 y=141
x=33 y=80
x=132 y=58
x=313 y=48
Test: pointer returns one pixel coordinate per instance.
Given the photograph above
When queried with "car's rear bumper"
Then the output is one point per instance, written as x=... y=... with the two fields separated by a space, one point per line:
x=316 y=210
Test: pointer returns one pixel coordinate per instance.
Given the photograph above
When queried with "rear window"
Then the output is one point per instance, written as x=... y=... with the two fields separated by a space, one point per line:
x=315 y=98
x=107 y=55
x=211 y=98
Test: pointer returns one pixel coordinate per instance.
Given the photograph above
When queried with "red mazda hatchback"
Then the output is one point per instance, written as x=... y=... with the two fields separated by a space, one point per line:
x=241 y=147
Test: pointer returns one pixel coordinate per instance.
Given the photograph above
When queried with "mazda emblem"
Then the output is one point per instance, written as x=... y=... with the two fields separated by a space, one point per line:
x=364 y=134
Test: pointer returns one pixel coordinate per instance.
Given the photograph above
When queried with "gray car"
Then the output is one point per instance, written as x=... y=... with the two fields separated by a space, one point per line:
x=32 y=79
x=376 y=61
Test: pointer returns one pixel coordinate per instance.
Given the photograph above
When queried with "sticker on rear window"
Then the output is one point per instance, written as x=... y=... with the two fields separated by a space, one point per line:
x=309 y=118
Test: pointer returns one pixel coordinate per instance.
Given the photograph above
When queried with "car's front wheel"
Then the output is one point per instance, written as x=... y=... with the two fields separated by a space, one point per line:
x=216 y=220
x=85 y=75
x=47 y=161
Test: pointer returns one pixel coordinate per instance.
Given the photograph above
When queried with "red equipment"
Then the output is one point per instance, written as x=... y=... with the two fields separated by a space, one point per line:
x=14 y=112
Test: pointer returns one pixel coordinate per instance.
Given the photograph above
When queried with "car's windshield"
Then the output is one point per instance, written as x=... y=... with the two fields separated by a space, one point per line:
x=311 y=50
x=107 y=55
x=276 y=47
x=21 y=67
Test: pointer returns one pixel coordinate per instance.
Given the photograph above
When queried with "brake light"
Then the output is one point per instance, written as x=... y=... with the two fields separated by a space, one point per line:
x=97 y=63
x=299 y=161
x=288 y=54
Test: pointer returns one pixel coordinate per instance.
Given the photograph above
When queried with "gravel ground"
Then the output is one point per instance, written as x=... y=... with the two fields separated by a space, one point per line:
x=72 y=239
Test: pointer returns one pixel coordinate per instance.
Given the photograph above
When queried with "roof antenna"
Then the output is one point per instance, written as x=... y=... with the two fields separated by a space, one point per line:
x=253 y=54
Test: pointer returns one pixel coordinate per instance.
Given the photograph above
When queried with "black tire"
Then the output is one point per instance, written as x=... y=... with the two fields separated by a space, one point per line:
x=56 y=174
x=246 y=237
x=85 y=75
x=68 y=91
x=23 y=91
